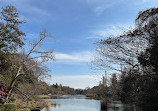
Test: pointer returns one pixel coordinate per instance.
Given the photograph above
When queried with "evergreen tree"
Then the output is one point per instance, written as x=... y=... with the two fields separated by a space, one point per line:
x=11 y=37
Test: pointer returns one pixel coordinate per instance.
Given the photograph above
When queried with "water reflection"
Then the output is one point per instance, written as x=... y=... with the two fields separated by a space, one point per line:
x=80 y=103
x=55 y=105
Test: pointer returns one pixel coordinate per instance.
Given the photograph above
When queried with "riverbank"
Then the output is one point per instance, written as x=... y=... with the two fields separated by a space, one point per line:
x=29 y=105
x=50 y=96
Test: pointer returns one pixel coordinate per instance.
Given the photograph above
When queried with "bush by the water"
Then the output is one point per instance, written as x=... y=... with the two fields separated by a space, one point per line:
x=8 y=107
x=24 y=109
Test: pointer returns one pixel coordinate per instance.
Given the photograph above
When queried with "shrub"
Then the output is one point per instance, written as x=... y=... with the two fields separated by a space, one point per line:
x=3 y=93
x=8 y=107
x=43 y=104
x=32 y=104
x=2 y=108
x=13 y=99
x=25 y=109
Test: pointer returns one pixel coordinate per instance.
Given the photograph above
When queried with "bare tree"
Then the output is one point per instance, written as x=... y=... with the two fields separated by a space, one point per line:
x=123 y=50
x=29 y=64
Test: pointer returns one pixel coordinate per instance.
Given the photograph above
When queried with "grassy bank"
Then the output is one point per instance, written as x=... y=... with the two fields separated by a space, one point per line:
x=20 y=105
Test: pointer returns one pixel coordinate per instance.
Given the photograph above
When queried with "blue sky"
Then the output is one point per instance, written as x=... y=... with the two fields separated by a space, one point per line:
x=76 y=25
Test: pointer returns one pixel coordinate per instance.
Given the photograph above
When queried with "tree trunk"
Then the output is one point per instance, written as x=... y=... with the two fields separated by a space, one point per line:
x=11 y=86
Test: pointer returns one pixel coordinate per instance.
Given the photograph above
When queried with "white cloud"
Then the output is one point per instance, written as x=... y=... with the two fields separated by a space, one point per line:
x=99 y=10
x=37 y=10
x=110 y=30
x=74 y=57
x=75 y=81
x=99 y=6
x=32 y=36
x=78 y=81
x=32 y=12
x=27 y=6
x=146 y=1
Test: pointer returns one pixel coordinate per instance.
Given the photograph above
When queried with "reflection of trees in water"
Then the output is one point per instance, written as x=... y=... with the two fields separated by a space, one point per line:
x=122 y=107
x=131 y=108
x=55 y=105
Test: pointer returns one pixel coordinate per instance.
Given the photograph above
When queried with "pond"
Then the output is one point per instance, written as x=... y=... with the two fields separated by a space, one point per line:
x=81 y=103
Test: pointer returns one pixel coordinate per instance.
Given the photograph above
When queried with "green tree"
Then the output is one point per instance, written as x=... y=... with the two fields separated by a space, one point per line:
x=11 y=37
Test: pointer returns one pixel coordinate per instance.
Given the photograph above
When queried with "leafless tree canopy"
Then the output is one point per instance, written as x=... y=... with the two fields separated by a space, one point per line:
x=125 y=49
x=31 y=65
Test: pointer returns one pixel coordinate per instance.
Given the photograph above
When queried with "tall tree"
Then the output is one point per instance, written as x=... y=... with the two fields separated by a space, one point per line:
x=24 y=66
x=11 y=37
x=136 y=50
x=28 y=65
x=147 y=23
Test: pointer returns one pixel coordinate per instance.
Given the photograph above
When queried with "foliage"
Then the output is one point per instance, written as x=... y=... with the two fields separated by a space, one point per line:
x=8 y=69
x=147 y=22
x=2 y=108
x=8 y=107
x=10 y=34
x=24 y=109
x=55 y=86
x=136 y=52
x=13 y=99
x=43 y=104
x=16 y=68
x=3 y=93
x=39 y=88
x=145 y=93
x=114 y=87
x=31 y=104
x=68 y=90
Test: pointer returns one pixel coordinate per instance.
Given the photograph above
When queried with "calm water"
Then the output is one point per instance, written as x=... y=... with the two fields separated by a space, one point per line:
x=80 y=103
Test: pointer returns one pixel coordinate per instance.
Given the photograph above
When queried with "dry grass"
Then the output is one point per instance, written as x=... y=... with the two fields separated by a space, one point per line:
x=89 y=95
x=33 y=104
x=18 y=101
x=21 y=103
x=43 y=104
x=43 y=96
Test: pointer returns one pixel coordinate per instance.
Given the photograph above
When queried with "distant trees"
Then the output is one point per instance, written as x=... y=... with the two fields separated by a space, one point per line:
x=67 y=90
x=59 y=89
x=114 y=86
x=106 y=92
x=134 y=55
x=55 y=86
